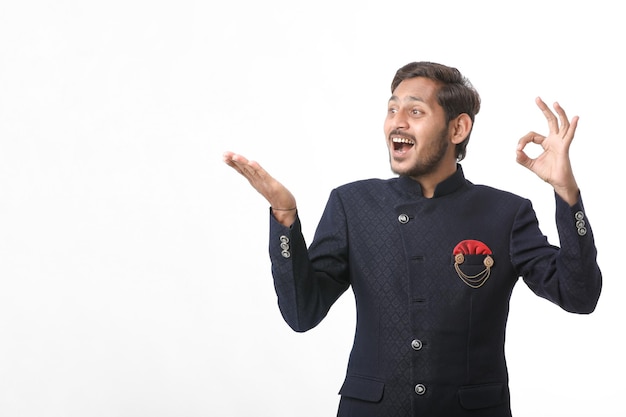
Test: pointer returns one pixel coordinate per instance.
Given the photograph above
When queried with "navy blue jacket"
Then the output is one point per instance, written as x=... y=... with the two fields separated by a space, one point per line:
x=430 y=325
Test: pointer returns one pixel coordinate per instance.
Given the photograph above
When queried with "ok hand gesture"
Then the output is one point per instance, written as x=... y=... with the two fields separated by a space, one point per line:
x=553 y=164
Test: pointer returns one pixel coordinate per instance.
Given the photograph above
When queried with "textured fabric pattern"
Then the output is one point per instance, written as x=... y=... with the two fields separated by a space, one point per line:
x=427 y=343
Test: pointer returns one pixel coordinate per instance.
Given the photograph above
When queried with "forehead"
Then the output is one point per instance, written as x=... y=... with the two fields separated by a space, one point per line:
x=416 y=89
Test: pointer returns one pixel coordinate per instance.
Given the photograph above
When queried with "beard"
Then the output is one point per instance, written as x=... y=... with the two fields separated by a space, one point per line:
x=429 y=160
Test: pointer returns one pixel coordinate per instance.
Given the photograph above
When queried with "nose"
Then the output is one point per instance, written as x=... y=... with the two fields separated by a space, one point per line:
x=400 y=121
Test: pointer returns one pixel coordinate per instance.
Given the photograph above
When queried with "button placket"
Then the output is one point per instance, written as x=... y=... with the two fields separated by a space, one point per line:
x=416 y=344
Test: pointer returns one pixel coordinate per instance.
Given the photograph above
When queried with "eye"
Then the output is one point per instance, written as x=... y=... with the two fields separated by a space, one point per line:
x=416 y=112
x=392 y=110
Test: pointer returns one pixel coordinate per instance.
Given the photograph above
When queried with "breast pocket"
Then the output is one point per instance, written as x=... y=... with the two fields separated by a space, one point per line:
x=473 y=270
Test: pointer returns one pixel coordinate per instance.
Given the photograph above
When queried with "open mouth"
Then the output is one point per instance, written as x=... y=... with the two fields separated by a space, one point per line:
x=401 y=144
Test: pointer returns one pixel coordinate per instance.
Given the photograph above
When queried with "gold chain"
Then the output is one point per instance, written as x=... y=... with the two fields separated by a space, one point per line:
x=474 y=281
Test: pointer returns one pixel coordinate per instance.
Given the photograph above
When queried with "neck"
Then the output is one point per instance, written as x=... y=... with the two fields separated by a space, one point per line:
x=429 y=181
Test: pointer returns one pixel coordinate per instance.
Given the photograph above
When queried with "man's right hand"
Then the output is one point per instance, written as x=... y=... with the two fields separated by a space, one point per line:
x=277 y=195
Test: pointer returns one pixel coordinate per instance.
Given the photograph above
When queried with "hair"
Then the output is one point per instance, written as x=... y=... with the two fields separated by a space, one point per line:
x=456 y=94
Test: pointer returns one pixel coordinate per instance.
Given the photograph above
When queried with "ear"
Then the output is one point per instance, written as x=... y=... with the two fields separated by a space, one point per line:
x=460 y=127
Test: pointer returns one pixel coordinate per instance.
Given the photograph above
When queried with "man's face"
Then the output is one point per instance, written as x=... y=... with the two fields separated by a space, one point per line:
x=416 y=130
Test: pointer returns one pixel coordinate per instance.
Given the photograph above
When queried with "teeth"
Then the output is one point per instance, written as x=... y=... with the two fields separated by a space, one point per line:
x=402 y=140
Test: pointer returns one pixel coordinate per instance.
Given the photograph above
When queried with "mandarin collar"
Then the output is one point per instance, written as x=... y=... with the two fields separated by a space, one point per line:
x=445 y=187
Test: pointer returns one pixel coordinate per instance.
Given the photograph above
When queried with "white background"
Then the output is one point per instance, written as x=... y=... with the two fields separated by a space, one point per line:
x=134 y=276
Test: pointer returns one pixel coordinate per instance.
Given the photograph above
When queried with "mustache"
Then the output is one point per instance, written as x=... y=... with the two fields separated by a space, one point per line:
x=397 y=132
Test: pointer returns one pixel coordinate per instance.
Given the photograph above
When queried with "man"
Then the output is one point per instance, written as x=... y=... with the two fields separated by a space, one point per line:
x=432 y=259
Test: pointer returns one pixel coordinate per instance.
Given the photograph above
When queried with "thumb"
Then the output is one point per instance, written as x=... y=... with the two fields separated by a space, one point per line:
x=523 y=159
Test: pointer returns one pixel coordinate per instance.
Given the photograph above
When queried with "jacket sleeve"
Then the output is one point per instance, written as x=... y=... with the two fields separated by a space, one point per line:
x=568 y=275
x=309 y=281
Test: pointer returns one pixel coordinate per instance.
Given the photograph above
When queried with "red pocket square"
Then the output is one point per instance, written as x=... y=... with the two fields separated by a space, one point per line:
x=471 y=247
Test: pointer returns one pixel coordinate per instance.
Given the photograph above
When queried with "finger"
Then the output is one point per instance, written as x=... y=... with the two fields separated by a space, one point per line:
x=240 y=159
x=572 y=127
x=240 y=164
x=232 y=158
x=256 y=167
x=243 y=164
x=227 y=157
x=255 y=171
x=569 y=136
x=523 y=159
x=553 y=123
x=563 y=118
x=531 y=137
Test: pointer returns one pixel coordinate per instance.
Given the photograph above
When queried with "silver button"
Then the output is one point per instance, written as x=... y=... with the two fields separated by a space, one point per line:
x=286 y=254
x=416 y=344
x=284 y=239
x=580 y=223
x=582 y=231
x=420 y=389
x=579 y=215
x=403 y=218
x=284 y=246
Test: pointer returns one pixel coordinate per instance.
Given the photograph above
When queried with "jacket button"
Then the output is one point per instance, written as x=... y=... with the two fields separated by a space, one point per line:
x=420 y=389
x=286 y=254
x=284 y=239
x=416 y=344
x=403 y=218
x=580 y=223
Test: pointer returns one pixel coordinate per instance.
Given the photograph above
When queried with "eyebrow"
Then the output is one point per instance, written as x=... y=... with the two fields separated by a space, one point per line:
x=410 y=98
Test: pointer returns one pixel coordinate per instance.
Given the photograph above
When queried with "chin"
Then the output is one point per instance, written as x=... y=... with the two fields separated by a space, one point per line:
x=399 y=169
x=401 y=166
